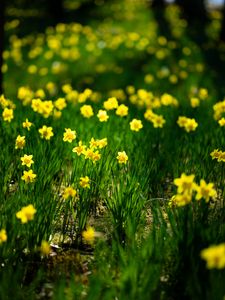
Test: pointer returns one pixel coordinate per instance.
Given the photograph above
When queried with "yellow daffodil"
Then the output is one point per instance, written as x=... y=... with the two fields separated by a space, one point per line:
x=20 y=142
x=214 y=256
x=27 y=124
x=185 y=183
x=27 y=160
x=69 y=192
x=85 y=182
x=122 y=157
x=3 y=236
x=69 y=135
x=89 y=235
x=136 y=125
x=7 y=114
x=26 y=213
x=46 y=132
x=28 y=176
x=205 y=190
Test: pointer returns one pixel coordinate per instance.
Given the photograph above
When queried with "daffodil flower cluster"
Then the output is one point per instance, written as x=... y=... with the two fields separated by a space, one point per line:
x=218 y=155
x=157 y=120
x=90 y=152
x=198 y=95
x=186 y=187
x=187 y=123
x=44 y=108
x=28 y=176
x=8 y=109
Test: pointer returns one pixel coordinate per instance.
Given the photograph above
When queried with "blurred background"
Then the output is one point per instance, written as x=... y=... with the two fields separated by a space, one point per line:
x=111 y=44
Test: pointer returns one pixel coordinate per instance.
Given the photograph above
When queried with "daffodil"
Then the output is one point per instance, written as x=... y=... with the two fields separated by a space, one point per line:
x=26 y=213
x=69 y=135
x=27 y=124
x=28 y=176
x=205 y=190
x=69 y=192
x=20 y=142
x=46 y=132
x=89 y=235
x=27 y=160
x=7 y=114
x=214 y=256
x=102 y=115
x=185 y=183
x=3 y=236
x=136 y=125
x=85 y=182
x=122 y=157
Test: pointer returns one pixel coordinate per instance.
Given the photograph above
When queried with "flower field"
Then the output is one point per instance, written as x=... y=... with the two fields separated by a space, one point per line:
x=112 y=155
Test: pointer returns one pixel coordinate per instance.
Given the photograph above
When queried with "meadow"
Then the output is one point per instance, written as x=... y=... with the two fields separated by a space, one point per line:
x=112 y=156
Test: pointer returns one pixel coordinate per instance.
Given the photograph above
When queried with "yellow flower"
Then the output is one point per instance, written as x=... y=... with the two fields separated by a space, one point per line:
x=69 y=135
x=89 y=235
x=79 y=149
x=7 y=114
x=46 y=108
x=182 y=121
x=60 y=103
x=136 y=125
x=27 y=160
x=85 y=182
x=102 y=115
x=187 y=123
x=214 y=256
x=167 y=99
x=149 y=115
x=122 y=157
x=102 y=143
x=217 y=154
x=96 y=156
x=122 y=110
x=190 y=125
x=3 y=236
x=20 y=142
x=181 y=199
x=88 y=153
x=111 y=103
x=158 y=121
x=194 y=102
x=222 y=122
x=45 y=248
x=26 y=213
x=93 y=143
x=87 y=111
x=28 y=176
x=27 y=124
x=203 y=93
x=37 y=105
x=205 y=190
x=57 y=114
x=69 y=192
x=3 y=101
x=185 y=183
x=46 y=132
